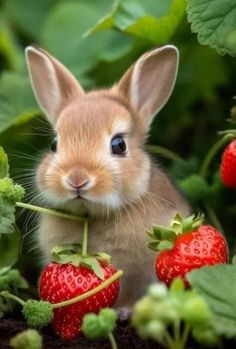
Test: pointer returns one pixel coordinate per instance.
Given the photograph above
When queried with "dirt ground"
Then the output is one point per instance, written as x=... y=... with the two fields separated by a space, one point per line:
x=125 y=336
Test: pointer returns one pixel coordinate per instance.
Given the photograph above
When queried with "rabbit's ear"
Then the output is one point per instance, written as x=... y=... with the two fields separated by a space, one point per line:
x=52 y=83
x=149 y=82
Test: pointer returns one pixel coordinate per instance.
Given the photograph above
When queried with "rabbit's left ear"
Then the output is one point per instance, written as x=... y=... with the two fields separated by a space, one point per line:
x=149 y=82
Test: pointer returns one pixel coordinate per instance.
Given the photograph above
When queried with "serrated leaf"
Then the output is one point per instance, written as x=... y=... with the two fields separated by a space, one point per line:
x=153 y=245
x=161 y=232
x=93 y=264
x=4 y=167
x=165 y=245
x=215 y=23
x=138 y=19
x=217 y=285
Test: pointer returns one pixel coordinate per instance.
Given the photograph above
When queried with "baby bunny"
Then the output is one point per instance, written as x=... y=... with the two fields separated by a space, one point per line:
x=98 y=163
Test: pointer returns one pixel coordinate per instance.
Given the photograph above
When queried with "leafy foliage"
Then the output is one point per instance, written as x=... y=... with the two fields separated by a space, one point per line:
x=9 y=194
x=134 y=18
x=215 y=284
x=162 y=309
x=215 y=23
x=97 y=41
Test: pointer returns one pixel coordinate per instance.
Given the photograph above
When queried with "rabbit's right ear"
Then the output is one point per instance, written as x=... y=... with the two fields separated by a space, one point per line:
x=52 y=83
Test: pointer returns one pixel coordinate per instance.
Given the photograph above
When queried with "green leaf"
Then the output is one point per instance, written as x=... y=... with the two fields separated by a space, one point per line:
x=103 y=257
x=67 y=22
x=9 y=46
x=153 y=245
x=93 y=264
x=17 y=103
x=161 y=232
x=195 y=187
x=138 y=19
x=165 y=245
x=28 y=15
x=215 y=23
x=9 y=194
x=9 y=248
x=217 y=285
x=4 y=167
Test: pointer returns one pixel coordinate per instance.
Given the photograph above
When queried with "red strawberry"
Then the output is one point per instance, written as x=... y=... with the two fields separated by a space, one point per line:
x=60 y=282
x=189 y=245
x=228 y=165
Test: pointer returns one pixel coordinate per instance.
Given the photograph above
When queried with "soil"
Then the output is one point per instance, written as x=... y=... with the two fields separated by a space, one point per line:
x=125 y=336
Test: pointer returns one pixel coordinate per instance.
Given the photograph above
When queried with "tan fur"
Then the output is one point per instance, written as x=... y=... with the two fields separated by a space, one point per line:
x=125 y=195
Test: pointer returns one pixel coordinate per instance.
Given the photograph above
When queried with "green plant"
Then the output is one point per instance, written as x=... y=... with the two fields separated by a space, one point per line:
x=169 y=316
x=216 y=284
x=100 y=325
x=29 y=339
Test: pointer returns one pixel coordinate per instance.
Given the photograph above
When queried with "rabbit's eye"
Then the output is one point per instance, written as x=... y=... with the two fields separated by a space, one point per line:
x=54 y=145
x=118 y=145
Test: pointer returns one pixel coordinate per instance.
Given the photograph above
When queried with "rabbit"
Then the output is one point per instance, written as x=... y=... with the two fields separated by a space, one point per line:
x=98 y=163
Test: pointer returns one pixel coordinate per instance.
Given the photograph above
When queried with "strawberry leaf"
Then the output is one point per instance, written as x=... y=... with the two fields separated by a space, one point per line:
x=153 y=245
x=9 y=194
x=214 y=22
x=216 y=284
x=161 y=232
x=92 y=263
x=103 y=257
x=165 y=245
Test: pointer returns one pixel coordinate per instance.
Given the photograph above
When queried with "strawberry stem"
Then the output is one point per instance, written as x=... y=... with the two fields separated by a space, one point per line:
x=85 y=239
x=89 y=293
x=212 y=152
x=112 y=341
x=50 y=211
x=6 y=294
x=185 y=335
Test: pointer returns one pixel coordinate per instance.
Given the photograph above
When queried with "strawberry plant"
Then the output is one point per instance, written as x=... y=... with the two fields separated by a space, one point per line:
x=108 y=37
x=169 y=316
x=101 y=325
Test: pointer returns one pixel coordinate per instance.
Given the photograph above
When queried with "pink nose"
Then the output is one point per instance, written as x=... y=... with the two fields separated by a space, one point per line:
x=79 y=185
x=77 y=178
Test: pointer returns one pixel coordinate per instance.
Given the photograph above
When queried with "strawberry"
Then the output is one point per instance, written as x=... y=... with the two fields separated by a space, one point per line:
x=188 y=245
x=60 y=282
x=72 y=274
x=228 y=165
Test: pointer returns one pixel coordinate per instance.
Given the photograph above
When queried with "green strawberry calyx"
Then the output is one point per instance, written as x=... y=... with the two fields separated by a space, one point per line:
x=163 y=238
x=76 y=254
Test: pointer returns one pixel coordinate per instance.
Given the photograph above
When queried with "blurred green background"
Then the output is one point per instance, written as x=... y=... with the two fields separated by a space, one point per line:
x=188 y=125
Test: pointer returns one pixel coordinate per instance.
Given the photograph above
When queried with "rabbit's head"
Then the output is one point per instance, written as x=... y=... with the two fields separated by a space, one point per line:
x=97 y=156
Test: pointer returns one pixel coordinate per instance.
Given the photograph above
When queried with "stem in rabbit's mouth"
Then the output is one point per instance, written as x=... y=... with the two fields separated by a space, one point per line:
x=50 y=212
x=85 y=239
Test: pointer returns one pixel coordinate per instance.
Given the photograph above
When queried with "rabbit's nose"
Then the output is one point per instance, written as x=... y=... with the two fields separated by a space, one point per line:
x=80 y=185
